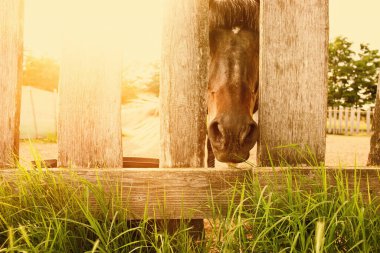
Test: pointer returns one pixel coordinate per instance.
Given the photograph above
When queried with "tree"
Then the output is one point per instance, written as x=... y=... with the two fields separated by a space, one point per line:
x=147 y=82
x=366 y=74
x=153 y=85
x=374 y=153
x=352 y=76
x=341 y=65
x=41 y=72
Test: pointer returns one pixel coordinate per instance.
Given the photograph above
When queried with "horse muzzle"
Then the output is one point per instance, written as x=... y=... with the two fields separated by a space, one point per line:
x=232 y=137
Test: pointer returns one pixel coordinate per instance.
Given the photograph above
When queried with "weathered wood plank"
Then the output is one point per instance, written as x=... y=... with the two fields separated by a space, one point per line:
x=167 y=193
x=368 y=120
x=340 y=119
x=374 y=153
x=293 y=79
x=358 y=114
x=352 y=121
x=330 y=120
x=184 y=83
x=11 y=56
x=346 y=116
x=335 y=120
x=89 y=122
x=188 y=192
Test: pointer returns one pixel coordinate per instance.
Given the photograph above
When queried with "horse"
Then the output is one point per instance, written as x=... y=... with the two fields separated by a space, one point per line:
x=233 y=79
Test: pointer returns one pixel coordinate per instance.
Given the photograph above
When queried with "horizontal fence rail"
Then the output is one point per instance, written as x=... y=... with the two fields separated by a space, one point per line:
x=176 y=193
x=349 y=121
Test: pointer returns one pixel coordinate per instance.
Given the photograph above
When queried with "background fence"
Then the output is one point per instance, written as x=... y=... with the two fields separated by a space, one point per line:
x=38 y=120
x=349 y=121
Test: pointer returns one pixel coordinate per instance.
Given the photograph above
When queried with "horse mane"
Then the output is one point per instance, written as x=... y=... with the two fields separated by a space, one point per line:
x=228 y=14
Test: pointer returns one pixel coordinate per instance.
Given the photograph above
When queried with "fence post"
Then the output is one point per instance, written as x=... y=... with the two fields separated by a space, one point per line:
x=11 y=56
x=89 y=120
x=293 y=65
x=374 y=152
x=183 y=89
x=184 y=84
x=368 y=120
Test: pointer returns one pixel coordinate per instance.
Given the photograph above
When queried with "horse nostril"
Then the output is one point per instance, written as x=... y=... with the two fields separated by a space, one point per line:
x=248 y=135
x=216 y=132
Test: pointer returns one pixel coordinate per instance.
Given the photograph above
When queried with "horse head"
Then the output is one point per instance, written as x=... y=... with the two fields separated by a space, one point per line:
x=233 y=78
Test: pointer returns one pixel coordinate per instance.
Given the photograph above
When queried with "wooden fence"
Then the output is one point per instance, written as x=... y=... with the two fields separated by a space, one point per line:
x=349 y=121
x=89 y=127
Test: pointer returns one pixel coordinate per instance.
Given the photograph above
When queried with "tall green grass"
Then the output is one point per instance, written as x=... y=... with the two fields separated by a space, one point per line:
x=44 y=213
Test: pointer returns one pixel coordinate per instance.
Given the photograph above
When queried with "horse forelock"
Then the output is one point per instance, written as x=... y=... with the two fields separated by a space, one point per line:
x=234 y=13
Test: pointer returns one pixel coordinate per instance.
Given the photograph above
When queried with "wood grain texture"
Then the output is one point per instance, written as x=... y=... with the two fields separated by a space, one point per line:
x=293 y=79
x=163 y=193
x=184 y=83
x=11 y=56
x=89 y=120
x=374 y=153
x=176 y=193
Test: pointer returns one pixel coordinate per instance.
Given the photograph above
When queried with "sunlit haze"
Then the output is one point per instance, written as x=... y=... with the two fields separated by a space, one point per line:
x=358 y=20
x=140 y=24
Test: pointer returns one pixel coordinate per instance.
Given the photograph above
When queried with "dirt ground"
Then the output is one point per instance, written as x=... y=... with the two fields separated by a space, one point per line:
x=347 y=150
x=340 y=150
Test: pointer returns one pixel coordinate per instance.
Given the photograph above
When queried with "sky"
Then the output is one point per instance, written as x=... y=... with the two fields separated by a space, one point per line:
x=140 y=35
x=358 y=20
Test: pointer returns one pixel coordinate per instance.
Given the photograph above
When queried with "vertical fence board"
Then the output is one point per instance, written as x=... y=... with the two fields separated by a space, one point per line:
x=335 y=119
x=368 y=120
x=374 y=153
x=352 y=121
x=348 y=120
x=358 y=113
x=340 y=120
x=89 y=120
x=11 y=51
x=346 y=116
x=330 y=120
x=293 y=64
x=184 y=83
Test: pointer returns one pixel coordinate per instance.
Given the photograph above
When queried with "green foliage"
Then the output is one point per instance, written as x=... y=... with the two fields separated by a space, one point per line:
x=41 y=72
x=153 y=86
x=128 y=92
x=148 y=83
x=352 y=76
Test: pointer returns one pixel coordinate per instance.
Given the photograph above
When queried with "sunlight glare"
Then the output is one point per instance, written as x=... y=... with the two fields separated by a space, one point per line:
x=134 y=24
x=94 y=25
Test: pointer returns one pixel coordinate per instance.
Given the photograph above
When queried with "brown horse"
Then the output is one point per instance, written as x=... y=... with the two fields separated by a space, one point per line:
x=233 y=79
